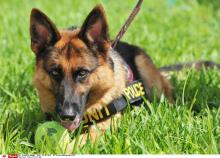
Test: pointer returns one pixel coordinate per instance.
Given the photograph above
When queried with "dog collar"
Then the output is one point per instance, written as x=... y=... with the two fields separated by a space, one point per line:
x=132 y=94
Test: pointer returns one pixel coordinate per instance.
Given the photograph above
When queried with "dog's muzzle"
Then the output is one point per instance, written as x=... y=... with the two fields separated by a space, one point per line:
x=69 y=115
x=71 y=125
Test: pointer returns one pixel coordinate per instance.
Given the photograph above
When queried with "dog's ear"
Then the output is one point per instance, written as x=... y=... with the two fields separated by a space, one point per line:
x=42 y=30
x=95 y=29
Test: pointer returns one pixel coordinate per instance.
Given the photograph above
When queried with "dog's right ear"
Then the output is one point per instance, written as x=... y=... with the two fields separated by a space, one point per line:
x=42 y=30
x=95 y=29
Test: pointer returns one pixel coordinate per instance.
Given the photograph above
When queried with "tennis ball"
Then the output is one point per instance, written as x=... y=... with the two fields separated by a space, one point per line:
x=51 y=134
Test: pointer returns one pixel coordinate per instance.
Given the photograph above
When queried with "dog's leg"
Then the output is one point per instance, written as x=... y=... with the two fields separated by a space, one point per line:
x=95 y=132
x=152 y=78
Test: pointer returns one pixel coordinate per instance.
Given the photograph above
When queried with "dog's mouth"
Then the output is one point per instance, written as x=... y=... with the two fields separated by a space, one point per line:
x=71 y=125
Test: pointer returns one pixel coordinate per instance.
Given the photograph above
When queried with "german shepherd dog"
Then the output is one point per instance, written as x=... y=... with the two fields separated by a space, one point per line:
x=77 y=71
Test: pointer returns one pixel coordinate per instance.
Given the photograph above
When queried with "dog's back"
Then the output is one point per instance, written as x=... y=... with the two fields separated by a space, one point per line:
x=144 y=69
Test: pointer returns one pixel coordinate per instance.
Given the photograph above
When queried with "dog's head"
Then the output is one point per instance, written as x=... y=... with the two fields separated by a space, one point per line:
x=73 y=67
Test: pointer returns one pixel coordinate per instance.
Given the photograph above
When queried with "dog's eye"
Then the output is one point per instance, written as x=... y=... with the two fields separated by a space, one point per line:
x=82 y=74
x=56 y=74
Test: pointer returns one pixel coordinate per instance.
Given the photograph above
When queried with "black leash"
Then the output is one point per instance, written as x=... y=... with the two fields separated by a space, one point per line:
x=127 y=23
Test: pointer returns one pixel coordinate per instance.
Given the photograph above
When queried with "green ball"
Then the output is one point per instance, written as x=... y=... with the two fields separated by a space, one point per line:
x=52 y=134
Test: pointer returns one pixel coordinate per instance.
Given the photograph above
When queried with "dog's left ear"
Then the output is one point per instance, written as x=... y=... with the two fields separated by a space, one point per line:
x=42 y=30
x=95 y=30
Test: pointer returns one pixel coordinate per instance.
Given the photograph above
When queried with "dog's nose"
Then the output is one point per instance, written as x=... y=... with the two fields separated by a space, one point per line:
x=68 y=111
x=67 y=116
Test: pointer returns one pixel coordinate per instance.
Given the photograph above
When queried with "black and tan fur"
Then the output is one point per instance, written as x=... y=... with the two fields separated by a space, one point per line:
x=77 y=71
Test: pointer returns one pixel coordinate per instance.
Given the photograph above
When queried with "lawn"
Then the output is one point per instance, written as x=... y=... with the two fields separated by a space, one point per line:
x=170 y=32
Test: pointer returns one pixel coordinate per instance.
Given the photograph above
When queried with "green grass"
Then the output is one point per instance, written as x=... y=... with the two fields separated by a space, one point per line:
x=185 y=31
